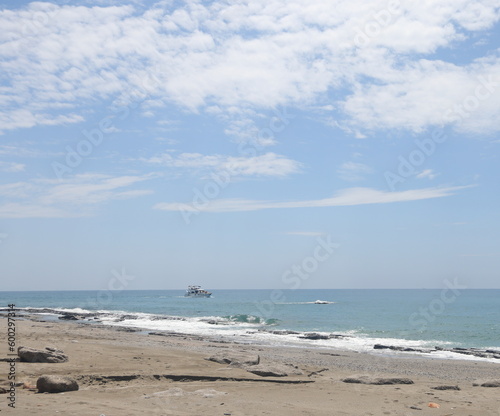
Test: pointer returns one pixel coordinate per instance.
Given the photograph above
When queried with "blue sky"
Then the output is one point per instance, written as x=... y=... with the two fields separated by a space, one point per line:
x=263 y=144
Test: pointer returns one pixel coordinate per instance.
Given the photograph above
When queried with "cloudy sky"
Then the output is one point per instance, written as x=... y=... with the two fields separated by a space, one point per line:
x=249 y=144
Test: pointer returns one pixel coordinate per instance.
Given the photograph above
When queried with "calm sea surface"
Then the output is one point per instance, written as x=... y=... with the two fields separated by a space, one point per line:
x=415 y=318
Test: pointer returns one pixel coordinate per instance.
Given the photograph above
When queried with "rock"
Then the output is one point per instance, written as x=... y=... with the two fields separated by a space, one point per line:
x=266 y=370
x=56 y=384
x=2 y=390
x=394 y=348
x=377 y=381
x=446 y=388
x=487 y=383
x=380 y=347
x=235 y=358
x=415 y=408
x=70 y=317
x=49 y=355
x=314 y=335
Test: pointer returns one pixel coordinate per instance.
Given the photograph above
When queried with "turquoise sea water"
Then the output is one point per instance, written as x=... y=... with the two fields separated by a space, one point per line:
x=415 y=318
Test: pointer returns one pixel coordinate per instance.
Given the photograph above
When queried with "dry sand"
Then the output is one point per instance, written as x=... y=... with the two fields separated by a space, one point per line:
x=133 y=373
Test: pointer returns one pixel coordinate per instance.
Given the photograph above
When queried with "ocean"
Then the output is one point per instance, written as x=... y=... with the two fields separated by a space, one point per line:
x=448 y=318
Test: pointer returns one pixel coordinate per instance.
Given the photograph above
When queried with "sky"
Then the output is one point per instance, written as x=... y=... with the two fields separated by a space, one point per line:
x=249 y=144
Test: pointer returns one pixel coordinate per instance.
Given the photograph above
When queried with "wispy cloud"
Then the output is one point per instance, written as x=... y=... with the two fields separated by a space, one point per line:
x=11 y=167
x=73 y=197
x=427 y=173
x=268 y=164
x=353 y=171
x=346 y=197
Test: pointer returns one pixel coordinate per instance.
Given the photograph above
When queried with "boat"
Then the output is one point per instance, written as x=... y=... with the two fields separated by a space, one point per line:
x=321 y=302
x=197 y=292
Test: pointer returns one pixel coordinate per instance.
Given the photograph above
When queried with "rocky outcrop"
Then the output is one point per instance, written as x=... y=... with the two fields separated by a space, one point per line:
x=49 y=355
x=56 y=384
x=446 y=388
x=377 y=381
x=466 y=351
x=273 y=370
x=235 y=358
x=486 y=383
x=70 y=317
x=266 y=370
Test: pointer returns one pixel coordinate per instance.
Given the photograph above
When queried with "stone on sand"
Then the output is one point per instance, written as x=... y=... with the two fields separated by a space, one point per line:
x=49 y=355
x=56 y=384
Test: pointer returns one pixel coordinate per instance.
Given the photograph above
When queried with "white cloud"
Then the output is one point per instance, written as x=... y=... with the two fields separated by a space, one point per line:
x=74 y=197
x=246 y=56
x=427 y=173
x=346 y=197
x=11 y=167
x=268 y=164
x=353 y=171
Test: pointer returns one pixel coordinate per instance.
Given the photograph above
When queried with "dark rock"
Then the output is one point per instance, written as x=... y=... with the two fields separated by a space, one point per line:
x=70 y=317
x=314 y=335
x=284 y=332
x=380 y=347
x=56 y=384
x=338 y=336
x=49 y=355
x=446 y=388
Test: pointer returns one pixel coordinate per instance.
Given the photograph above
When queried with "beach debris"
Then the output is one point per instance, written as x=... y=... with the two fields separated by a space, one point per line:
x=415 y=408
x=434 y=405
x=56 y=384
x=235 y=358
x=486 y=383
x=2 y=390
x=49 y=355
x=446 y=388
x=377 y=381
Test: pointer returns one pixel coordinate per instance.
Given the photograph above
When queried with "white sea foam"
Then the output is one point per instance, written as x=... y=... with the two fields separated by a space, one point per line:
x=248 y=329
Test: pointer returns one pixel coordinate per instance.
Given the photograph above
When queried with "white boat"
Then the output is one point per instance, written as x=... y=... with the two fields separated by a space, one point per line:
x=197 y=292
x=321 y=302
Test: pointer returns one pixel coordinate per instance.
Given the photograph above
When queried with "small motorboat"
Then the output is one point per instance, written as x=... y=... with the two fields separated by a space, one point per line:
x=321 y=302
x=197 y=292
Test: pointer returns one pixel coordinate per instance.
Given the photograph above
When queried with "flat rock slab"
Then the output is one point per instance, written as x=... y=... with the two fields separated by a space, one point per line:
x=273 y=370
x=48 y=355
x=377 y=381
x=235 y=358
x=487 y=383
x=56 y=384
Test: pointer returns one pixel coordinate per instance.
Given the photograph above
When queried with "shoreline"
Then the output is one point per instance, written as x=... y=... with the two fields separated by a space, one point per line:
x=131 y=372
x=263 y=336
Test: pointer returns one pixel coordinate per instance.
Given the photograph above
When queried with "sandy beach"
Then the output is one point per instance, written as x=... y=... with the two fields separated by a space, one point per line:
x=135 y=373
